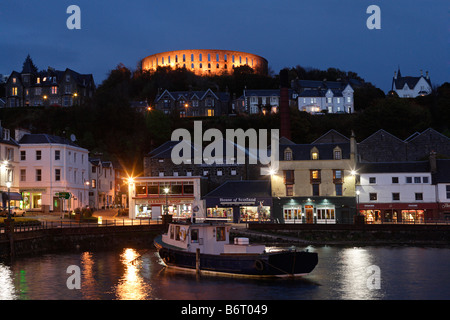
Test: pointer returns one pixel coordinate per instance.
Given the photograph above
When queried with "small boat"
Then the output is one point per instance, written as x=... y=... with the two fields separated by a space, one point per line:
x=206 y=248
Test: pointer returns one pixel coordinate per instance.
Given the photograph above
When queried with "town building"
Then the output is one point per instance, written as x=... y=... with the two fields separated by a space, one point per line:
x=193 y=103
x=151 y=197
x=206 y=62
x=52 y=172
x=315 y=182
x=240 y=201
x=9 y=173
x=441 y=178
x=261 y=101
x=158 y=163
x=399 y=192
x=326 y=100
x=50 y=87
x=102 y=184
x=382 y=146
x=411 y=87
x=325 y=96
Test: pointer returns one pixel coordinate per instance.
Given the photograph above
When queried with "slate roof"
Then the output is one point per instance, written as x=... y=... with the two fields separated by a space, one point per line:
x=319 y=93
x=264 y=93
x=165 y=150
x=242 y=189
x=45 y=139
x=394 y=167
x=303 y=151
x=191 y=95
x=400 y=81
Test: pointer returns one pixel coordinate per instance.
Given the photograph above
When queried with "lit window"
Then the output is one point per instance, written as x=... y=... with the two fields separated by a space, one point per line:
x=288 y=155
x=314 y=155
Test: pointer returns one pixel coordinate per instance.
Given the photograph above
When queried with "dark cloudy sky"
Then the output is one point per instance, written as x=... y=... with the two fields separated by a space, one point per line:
x=414 y=35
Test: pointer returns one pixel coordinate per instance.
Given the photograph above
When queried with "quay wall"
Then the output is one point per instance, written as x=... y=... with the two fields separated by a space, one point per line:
x=352 y=234
x=79 y=238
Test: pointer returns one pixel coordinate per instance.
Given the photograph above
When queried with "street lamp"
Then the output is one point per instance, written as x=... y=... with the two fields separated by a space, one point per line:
x=8 y=185
x=86 y=184
x=166 y=191
x=357 y=201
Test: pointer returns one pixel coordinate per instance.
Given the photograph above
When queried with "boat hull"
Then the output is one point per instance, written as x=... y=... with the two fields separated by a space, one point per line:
x=275 y=264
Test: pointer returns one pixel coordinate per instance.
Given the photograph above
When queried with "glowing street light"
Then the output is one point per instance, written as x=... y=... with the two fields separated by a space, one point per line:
x=8 y=185
x=166 y=191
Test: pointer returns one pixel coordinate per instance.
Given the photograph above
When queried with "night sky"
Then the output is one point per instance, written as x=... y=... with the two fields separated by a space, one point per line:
x=414 y=35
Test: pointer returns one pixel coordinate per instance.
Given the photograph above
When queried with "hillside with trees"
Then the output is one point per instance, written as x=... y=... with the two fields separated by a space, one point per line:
x=108 y=125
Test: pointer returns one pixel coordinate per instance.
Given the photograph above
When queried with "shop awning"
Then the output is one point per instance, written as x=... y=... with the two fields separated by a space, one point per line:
x=12 y=196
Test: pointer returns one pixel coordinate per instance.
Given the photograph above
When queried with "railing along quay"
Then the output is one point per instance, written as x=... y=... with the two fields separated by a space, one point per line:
x=69 y=223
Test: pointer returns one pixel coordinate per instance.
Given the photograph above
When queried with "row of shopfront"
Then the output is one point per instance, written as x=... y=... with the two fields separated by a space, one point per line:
x=251 y=201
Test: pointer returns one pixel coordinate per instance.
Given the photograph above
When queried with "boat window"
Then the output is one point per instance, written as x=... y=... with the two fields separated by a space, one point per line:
x=220 y=234
x=171 y=232
x=194 y=235
x=177 y=233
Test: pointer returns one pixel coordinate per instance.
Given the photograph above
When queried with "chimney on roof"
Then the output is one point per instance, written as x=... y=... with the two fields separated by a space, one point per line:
x=285 y=124
x=427 y=75
x=432 y=158
x=395 y=74
x=353 y=146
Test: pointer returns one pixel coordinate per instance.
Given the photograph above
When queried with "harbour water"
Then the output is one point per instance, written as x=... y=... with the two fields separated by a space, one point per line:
x=343 y=273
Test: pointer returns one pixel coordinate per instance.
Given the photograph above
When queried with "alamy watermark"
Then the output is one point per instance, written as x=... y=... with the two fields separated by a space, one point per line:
x=374 y=21
x=373 y=281
x=74 y=20
x=232 y=149
x=74 y=280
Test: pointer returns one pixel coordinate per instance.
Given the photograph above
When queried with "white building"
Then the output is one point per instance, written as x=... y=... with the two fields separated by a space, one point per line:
x=148 y=199
x=52 y=172
x=442 y=180
x=101 y=184
x=411 y=87
x=9 y=159
x=261 y=101
x=328 y=100
x=396 y=192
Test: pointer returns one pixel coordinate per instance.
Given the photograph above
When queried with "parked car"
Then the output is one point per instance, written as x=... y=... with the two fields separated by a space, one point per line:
x=15 y=211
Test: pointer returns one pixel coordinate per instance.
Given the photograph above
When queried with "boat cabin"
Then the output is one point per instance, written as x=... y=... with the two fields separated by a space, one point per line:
x=210 y=238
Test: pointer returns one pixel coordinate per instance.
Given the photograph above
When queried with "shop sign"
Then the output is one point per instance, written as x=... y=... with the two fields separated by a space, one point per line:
x=64 y=195
x=446 y=206
x=237 y=201
x=162 y=201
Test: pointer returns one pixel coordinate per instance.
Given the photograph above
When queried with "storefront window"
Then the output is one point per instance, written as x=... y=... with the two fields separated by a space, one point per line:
x=291 y=214
x=143 y=211
x=372 y=216
x=261 y=213
x=326 y=215
x=220 y=213
x=412 y=216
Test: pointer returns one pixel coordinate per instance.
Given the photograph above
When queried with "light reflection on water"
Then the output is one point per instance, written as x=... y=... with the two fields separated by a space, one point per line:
x=130 y=274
